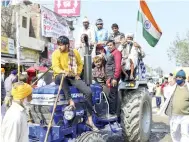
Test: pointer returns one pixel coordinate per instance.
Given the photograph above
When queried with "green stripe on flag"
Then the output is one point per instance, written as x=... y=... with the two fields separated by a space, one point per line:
x=149 y=38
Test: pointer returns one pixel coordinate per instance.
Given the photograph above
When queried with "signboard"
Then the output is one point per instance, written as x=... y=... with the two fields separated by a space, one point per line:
x=51 y=26
x=30 y=54
x=7 y=45
x=67 y=8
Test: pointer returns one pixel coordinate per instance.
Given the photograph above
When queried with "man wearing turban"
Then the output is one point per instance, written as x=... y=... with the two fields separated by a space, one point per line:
x=14 y=125
x=8 y=86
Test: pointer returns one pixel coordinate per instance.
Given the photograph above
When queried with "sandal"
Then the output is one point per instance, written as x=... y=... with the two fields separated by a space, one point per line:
x=92 y=127
x=131 y=77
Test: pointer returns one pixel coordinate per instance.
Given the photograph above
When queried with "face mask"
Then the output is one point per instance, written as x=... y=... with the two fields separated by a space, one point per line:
x=179 y=82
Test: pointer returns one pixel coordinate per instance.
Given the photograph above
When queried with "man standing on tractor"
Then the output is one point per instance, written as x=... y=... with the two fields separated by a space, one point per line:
x=116 y=35
x=113 y=72
x=101 y=37
x=86 y=29
x=67 y=61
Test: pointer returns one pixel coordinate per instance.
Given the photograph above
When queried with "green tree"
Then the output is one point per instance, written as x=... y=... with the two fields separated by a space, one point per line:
x=179 y=50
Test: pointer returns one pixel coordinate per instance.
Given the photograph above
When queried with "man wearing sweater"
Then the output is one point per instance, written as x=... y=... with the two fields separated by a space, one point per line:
x=67 y=61
x=179 y=123
x=113 y=72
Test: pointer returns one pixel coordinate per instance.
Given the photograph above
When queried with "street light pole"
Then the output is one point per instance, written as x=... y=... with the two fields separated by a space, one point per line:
x=18 y=43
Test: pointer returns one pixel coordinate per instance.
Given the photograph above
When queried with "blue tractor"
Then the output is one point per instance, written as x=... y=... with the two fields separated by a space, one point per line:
x=134 y=116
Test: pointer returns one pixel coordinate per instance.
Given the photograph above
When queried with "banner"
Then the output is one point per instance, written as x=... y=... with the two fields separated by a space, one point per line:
x=51 y=48
x=7 y=45
x=51 y=25
x=67 y=8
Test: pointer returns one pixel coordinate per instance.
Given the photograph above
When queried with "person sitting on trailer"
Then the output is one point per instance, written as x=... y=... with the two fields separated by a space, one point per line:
x=130 y=55
x=66 y=61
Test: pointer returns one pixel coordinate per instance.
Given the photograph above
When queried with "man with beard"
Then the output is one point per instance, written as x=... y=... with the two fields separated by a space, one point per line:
x=130 y=54
x=101 y=37
x=86 y=29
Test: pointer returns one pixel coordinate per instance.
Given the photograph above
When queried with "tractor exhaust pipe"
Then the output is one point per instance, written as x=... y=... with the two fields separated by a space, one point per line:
x=87 y=63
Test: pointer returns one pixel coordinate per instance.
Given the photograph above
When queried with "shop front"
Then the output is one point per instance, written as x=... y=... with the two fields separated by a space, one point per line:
x=29 y=58
x=8 y=56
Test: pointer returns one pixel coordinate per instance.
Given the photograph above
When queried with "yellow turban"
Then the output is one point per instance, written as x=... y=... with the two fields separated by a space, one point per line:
x=2 y=70
x=21 y=90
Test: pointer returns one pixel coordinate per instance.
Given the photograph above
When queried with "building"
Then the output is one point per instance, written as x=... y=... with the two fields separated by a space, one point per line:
x=35 y=48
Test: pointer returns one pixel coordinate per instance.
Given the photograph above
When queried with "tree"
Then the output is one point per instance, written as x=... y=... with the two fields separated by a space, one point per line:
x=179 y=50
x=8 y=27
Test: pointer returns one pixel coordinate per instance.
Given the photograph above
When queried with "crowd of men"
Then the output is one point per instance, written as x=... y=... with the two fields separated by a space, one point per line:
x=113 y=56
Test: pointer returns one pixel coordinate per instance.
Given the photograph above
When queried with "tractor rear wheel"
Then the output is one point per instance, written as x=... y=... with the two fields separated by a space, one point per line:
x=136 y=115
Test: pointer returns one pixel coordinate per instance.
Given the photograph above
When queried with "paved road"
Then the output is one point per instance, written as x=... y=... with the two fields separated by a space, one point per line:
x=160 y=131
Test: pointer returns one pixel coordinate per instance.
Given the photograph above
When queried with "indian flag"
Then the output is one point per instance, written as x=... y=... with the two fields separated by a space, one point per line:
x=151 y=31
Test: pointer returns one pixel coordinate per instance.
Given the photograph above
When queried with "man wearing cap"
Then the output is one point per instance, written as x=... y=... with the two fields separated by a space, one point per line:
x=86 y=29
x=130 y=54
x=14 y=125
x=177 y=107
x=8 y=87
x=116 y=35
x=179 y=123
x=101 y=34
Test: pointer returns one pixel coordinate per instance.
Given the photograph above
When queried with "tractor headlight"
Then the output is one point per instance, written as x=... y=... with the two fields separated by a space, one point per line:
x=68 y=113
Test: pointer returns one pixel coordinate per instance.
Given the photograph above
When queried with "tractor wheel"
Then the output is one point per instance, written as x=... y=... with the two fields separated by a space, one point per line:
x=90 y=137
x=136 y=115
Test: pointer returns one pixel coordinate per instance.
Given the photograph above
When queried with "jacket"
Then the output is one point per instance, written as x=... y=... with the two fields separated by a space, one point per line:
x=113 y=65
x=169 y=93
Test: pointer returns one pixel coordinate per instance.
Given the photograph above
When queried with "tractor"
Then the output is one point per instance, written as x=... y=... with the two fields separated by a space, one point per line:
x=134 y=113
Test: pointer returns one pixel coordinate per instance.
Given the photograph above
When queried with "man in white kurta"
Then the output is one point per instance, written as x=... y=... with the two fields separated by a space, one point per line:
x=14 y=125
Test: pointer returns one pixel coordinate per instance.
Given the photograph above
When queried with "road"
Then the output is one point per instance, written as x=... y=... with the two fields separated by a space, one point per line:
x=160 y=131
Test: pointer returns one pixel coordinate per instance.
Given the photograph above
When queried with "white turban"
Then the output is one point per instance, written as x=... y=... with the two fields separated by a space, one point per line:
x=130 y=35
x=86 y=19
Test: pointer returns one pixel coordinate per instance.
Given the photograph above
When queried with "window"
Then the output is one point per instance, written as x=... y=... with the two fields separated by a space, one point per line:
x=31 y=30
x=24 y=22
x=44 y=54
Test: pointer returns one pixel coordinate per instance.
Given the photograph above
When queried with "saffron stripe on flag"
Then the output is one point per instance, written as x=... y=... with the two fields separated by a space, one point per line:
x=148 y=14
x=152 y=30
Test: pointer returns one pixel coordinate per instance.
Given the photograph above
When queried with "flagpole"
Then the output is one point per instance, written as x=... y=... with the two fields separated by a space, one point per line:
x=137 y=23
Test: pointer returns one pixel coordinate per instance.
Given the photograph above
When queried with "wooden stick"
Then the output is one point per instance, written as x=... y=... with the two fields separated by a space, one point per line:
x=55 y=104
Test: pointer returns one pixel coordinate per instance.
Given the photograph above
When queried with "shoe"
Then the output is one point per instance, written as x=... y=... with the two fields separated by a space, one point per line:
x=92 y=127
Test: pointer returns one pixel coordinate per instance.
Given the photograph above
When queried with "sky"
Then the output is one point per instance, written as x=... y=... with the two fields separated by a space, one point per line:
x=169 y=15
